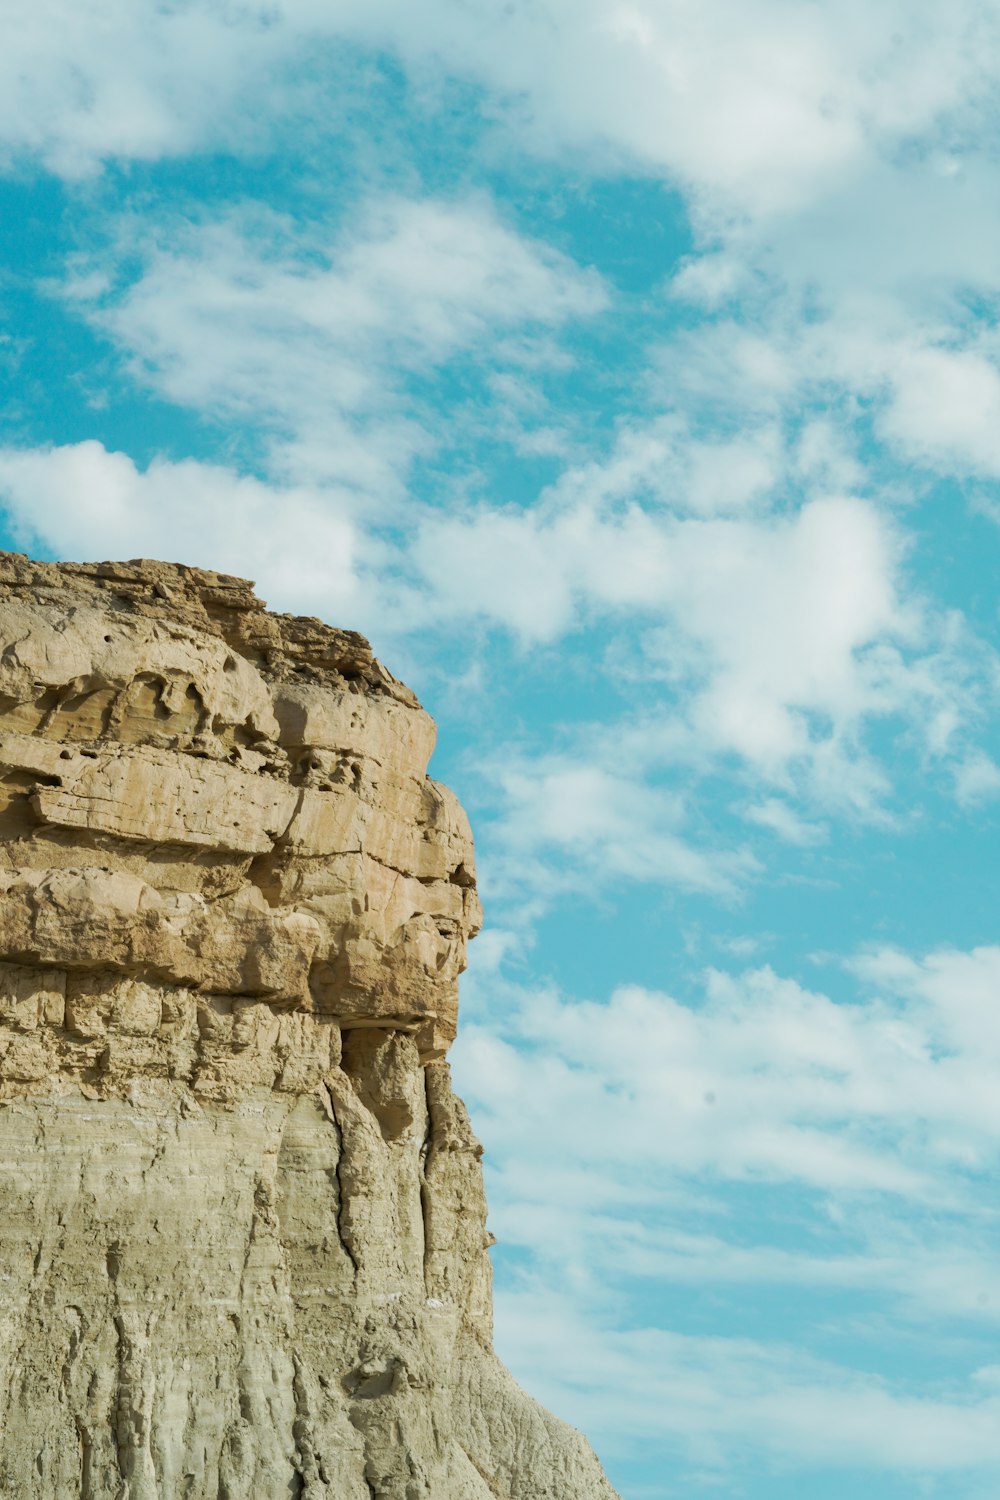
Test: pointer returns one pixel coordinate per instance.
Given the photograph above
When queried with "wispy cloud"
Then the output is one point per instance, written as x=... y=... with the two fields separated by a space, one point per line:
x=317 y=334
x=98 y=81
x=766 y=1080
x=716 y=1402
x=865 y=1132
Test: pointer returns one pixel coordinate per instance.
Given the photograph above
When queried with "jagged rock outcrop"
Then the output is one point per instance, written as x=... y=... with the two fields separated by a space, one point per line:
x=242 y=1224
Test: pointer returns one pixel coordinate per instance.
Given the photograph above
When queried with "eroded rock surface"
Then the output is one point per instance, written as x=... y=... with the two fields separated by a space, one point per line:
x=242 y=1225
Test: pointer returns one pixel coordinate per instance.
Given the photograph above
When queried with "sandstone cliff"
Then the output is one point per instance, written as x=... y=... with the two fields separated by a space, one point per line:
x=243 y=1250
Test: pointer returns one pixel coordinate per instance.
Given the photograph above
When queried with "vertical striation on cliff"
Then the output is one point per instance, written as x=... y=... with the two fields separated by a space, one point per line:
x=243 y=1240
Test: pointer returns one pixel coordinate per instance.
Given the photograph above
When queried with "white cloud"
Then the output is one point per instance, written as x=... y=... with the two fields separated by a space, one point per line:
x=765 y=107
x=762 y=108
x=714 y=1401
x=758 y=1084
x=977 y=779
x=86 y=503
x=905 y=366
x=956 y=996
x=728 y=475
x=761 y=1135
x=945 y=410
x=785 y=822
x=100 y=79
x=724 y=1404
x=824 y=456
x=763 y=1081
x=914 y=1280
x=780 y=634
x=783 y=612
x=572 y=826
x=781 y=639
x=314 y=334
x=857 y=310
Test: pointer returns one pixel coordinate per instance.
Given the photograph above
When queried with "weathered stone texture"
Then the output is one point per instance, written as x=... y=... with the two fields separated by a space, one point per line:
x=243 y=1247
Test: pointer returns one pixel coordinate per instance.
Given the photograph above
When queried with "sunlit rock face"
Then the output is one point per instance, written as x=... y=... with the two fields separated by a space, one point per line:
x=243 y=1246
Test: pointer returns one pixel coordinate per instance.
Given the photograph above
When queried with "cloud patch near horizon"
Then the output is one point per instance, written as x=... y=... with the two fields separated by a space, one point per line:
x=761 y=1136
x=766 y=1080
x=721 y=1406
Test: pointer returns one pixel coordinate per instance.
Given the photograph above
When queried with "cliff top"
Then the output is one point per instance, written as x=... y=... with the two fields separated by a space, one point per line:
x=216 y=603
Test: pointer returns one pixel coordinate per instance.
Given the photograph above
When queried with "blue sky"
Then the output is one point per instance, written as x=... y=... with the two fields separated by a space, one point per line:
x=630 y=373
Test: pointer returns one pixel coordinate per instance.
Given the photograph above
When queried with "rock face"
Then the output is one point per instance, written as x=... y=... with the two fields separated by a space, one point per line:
x=242 y=1224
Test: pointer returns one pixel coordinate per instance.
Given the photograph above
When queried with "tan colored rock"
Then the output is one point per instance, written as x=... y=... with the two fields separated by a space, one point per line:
x=244 y=1247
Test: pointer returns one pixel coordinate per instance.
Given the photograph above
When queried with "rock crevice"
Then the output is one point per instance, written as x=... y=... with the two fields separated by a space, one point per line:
x=243 y=1240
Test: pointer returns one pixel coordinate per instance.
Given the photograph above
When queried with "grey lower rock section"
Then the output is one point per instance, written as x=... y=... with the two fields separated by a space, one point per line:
x=243 y=1244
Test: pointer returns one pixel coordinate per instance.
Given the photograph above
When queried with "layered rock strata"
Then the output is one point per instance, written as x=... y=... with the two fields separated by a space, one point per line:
x=243 y=1249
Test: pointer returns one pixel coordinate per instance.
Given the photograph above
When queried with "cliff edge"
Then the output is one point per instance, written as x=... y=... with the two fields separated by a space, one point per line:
x=243 y=1248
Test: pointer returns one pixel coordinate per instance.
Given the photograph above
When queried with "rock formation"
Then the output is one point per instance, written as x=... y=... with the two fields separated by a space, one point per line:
x=243 y=1251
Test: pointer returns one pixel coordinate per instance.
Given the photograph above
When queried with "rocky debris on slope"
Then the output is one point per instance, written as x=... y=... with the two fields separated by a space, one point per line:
x=244 y=1247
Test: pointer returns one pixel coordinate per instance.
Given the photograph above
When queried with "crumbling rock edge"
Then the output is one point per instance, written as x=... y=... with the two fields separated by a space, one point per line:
x=243 y=1239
